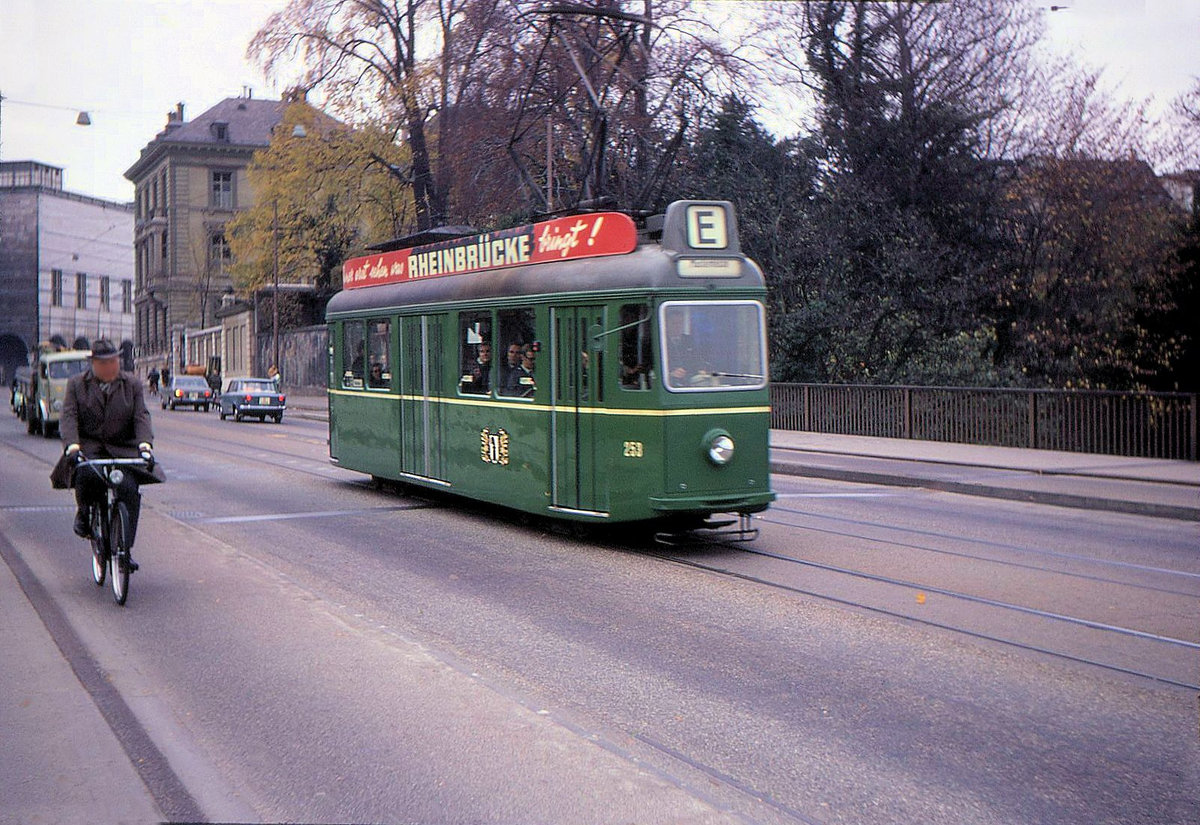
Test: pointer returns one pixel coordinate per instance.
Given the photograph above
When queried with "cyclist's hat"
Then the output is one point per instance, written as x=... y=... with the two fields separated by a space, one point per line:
x=103 y=348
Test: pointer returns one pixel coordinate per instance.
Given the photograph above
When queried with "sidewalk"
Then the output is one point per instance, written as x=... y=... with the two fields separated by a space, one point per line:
x=62 y=763
x=1139 y=486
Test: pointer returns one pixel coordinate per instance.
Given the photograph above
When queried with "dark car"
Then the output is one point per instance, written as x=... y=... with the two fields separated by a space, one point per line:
x=187 y=391
x=252 y=397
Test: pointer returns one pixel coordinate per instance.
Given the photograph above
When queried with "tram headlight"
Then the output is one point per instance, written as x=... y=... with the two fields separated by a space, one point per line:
x=720 y=448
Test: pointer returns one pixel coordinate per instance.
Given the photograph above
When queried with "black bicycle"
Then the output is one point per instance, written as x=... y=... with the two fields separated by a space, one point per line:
x=110 y=526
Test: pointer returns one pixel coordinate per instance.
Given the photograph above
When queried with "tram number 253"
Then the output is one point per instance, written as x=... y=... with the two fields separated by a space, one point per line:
x=634 y=449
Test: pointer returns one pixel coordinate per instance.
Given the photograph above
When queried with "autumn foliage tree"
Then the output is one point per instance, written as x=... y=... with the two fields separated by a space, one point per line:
x=321 y=191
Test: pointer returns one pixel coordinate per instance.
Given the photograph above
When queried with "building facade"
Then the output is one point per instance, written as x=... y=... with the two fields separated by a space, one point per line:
x=66 y=264
x=190 y=181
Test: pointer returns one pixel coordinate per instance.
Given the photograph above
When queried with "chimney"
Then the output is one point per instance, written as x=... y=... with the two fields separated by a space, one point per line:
x=174 y=119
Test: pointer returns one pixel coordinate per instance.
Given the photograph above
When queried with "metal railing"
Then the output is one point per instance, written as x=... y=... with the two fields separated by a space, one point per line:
x=1151 y=425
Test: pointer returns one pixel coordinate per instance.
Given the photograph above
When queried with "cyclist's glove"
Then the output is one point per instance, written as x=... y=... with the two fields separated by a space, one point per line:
x=147 y=454
x=72 y=450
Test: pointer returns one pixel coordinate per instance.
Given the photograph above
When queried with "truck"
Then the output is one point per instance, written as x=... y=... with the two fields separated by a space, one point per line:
x=48 y=387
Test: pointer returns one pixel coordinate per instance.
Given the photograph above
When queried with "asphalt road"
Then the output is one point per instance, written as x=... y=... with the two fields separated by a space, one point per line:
x=300 y=646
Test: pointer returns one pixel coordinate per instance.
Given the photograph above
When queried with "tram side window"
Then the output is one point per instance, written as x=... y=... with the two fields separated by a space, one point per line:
x=520 y=354
x=475 y=342
x=354 y=348
x=637 y=372
x=379 y=371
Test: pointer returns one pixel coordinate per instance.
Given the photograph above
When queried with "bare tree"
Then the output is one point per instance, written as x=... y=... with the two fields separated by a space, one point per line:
x=371 y=56
x=489 y=95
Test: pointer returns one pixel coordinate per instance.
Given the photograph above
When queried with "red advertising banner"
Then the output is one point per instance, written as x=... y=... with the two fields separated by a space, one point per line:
x=577 y=236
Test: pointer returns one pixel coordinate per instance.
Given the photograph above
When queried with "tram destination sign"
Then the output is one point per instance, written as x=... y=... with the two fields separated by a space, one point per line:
x=577 y=236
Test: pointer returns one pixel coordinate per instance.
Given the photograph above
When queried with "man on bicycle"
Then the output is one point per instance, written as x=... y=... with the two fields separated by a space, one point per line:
x=104 y=415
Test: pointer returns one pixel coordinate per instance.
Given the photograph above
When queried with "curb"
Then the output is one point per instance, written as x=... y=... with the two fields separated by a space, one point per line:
x=1137 y=508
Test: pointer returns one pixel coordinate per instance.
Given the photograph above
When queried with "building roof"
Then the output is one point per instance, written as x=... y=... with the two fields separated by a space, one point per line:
x=234 y=123
x=249 y=123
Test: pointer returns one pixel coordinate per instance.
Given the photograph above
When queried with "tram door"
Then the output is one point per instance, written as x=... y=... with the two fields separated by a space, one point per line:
x=421 y=372
x=575 y=390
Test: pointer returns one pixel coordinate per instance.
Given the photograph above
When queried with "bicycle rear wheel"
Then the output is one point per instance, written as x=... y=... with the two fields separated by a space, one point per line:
x=118 y=542
x=99 y=551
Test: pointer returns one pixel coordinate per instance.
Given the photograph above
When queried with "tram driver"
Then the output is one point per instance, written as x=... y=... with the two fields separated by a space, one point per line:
x=687 y=367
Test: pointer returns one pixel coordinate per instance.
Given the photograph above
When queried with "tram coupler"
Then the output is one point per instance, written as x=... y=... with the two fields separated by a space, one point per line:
x=712 y=530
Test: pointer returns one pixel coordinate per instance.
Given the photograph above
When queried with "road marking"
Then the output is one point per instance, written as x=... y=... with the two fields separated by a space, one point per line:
x=838 y=495
x=310 y=514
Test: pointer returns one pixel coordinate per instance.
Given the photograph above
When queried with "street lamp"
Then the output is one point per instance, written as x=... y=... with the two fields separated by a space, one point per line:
x=82 y=117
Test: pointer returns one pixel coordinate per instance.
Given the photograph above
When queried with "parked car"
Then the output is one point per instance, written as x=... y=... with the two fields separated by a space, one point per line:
x=252 y=397
x=187 y=391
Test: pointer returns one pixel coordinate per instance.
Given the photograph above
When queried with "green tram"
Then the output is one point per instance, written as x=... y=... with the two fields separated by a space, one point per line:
x=578 y=368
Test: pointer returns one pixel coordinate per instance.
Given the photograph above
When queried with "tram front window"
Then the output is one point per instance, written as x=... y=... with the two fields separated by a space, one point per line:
x=713 y=345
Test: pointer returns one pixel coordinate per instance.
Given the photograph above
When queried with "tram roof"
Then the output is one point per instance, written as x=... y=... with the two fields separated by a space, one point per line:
x=672 y=264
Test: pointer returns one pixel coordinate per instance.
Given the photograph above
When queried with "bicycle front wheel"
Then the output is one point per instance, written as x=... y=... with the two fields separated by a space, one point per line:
x=99 y=551
x=118 y=543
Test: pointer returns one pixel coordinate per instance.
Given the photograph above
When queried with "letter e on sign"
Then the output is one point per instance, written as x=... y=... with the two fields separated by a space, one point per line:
x=706 y=227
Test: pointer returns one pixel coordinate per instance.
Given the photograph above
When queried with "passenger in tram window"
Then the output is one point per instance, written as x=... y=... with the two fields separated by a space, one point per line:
x=636 y=356
x=375 y=376
x=512 y=369
x=477 y=377
x=514 y=355
x=521 y=381
x=353 y=377
x=633 y=376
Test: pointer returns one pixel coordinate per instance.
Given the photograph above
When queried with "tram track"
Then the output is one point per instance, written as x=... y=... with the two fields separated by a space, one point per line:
x=275 y=458
x=922 y=591
x=1030 y=551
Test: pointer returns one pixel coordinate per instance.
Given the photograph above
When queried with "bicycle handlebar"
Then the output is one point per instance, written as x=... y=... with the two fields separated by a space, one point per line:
x=106 y=462
x=95 y=464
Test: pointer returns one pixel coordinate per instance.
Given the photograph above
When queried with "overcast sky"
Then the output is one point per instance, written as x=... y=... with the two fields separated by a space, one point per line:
x=127 y=62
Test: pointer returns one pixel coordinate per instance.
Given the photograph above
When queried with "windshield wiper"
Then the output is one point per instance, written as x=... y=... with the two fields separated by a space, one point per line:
x=736 y=375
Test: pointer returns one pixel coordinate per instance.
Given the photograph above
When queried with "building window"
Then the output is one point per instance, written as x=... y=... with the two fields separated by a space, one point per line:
x=56 y=292
x=164 y=251
x=222 y=190
x=81 y=290
x=220 y=132
x=126 y=297
x=105 y=293
x=219 y=255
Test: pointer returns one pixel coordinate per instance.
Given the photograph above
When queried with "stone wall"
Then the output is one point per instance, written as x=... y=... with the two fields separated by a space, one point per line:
x=304 y=353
